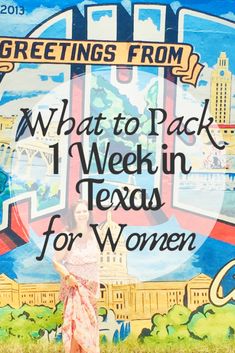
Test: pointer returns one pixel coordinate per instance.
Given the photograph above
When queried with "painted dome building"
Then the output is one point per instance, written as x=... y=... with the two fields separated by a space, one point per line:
x=113 y=265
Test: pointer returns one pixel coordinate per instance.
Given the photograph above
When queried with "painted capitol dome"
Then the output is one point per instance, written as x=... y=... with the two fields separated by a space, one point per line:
x=113 y=265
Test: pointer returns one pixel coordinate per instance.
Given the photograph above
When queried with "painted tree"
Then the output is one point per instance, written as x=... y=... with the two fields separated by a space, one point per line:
x=213 y=322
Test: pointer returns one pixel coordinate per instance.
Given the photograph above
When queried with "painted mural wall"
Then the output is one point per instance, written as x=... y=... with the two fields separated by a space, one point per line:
x=129 y=106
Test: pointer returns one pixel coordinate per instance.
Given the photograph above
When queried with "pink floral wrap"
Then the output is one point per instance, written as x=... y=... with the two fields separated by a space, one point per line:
x=80 y=315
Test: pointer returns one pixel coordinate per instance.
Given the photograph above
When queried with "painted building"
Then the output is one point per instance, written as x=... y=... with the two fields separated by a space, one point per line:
x=7 y=123
x=221 y=82
x=137 y=301
x=113 y=265
x=140 y=301
x=16 y=294
x=225 y=133
x=7 y=129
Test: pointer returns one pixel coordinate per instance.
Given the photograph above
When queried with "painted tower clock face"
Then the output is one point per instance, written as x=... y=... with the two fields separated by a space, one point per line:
x=222 y=73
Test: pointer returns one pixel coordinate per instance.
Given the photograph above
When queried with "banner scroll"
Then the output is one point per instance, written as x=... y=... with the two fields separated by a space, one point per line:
x=180 y=57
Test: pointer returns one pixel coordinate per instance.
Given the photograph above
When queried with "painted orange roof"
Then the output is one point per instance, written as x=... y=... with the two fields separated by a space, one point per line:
x=223 y=126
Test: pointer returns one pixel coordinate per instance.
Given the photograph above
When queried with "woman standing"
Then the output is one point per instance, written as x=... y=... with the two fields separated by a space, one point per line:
x=79 y=269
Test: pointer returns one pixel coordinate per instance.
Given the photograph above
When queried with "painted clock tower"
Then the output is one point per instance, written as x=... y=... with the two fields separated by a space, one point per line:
x=221 y=82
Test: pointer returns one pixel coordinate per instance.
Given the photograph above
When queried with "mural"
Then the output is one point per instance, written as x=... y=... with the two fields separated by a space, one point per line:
x=130 y=106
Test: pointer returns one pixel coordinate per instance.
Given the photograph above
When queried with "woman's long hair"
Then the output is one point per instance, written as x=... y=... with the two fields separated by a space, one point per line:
x=70 y=220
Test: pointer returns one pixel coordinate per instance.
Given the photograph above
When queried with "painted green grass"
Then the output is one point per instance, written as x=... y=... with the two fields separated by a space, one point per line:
x=129 y=346
x=184 y=346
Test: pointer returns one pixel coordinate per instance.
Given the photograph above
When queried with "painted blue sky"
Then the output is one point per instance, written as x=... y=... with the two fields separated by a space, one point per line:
x=153 y=14
x=217 y=7
x=35 y=12
x=211 y=33
x=96 y=16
